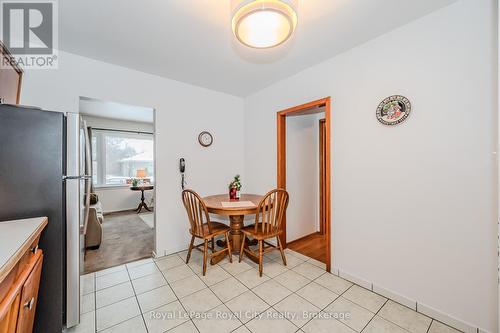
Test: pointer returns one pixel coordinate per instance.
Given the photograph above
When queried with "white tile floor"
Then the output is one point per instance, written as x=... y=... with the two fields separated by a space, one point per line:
x=167 y=295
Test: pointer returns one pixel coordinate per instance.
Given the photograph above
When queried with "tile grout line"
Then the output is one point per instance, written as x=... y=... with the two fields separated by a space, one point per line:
x=322 y=309
x=126 y=268
x=394 y=301
x=292 y=292
x=270 y=306
x=134 y=296
x=390 y=321
x=208 y=287
x=429 y=328
x=234 y=275
x=390 y=300
x=178 y=300
x=387 y=300
x=195 y=274
x=137 y=300
x=376 y=313
x=249 y=289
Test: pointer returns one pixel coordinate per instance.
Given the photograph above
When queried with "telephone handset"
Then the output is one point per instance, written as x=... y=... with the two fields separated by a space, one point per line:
x=182 y=169
x=182 y=165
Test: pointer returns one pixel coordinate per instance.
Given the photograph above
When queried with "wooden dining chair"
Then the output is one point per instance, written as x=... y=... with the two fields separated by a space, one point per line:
x=270 y=213
x=203 y=228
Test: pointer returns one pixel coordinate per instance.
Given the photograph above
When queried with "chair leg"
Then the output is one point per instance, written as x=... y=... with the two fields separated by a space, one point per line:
x=242 y=248
x=213 y=245
x=281 y=250
x=205 y=252
x=229 y=247
x=190 y=249
x=261 y=253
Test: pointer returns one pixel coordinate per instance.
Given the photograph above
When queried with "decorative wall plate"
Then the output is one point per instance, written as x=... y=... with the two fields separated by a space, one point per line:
x=393 y=110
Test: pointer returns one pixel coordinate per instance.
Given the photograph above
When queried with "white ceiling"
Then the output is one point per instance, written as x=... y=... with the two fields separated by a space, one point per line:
x=191 y=40
x=97 y=108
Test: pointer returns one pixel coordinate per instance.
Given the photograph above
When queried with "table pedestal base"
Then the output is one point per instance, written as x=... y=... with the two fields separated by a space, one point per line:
x=236 y=237
x=142 y=204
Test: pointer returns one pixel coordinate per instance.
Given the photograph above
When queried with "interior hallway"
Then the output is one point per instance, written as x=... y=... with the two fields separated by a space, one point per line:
x=312 y=246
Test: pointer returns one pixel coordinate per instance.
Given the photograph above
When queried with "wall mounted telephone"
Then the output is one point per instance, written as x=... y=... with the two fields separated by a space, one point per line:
x=182 y=169
x=182 y=165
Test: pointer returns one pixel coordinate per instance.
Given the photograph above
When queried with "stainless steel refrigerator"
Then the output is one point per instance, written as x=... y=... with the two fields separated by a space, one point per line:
x=44 y=161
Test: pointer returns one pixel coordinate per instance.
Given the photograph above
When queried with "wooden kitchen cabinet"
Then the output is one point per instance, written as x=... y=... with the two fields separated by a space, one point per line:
x=19 y=282
x=29 y=297
x=9 y=321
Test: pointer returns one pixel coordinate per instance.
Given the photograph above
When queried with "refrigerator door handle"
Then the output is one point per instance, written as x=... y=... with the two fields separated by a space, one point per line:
x=88 y=183
x=77 y=177
x=72 y=221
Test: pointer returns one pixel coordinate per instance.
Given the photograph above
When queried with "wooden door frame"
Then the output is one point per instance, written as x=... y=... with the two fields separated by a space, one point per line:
x=304 y=109
x=322 y=182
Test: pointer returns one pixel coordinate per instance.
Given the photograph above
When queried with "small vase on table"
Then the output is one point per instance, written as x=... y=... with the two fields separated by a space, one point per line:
x=232 y=193
x=235 y=188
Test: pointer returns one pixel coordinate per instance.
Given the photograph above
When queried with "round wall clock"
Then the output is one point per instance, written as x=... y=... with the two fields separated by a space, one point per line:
x=205 y=139
x=393 y=110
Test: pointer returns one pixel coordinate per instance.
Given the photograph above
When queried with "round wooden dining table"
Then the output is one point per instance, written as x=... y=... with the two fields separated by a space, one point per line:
x=236 y=214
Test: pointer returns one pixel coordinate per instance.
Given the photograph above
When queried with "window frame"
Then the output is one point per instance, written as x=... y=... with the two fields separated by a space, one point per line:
x=100 y=153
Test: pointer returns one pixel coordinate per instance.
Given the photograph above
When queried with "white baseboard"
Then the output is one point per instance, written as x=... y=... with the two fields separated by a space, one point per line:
x=447 y=319
x=359 y=281
x=412 y=304
x=395 y=297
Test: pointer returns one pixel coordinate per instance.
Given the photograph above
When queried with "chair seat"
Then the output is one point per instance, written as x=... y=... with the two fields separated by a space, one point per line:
x=218 y=228
x=259 y=235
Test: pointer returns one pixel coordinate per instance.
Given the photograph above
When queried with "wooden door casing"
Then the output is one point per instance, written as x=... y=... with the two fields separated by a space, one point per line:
x=322 y=176
x=10 y=78
x=321 y=105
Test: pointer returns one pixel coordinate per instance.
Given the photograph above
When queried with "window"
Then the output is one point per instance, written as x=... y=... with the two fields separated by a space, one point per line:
x=116 y=157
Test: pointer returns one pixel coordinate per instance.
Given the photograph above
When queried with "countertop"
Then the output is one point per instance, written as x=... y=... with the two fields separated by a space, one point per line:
x=15 y=238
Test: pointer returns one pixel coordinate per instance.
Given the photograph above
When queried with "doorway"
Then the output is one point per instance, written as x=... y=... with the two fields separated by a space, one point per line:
x=311 y=242
x=121 y=223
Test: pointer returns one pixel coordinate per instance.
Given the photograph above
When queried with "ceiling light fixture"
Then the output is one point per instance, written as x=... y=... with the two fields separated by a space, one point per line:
x=264 y=23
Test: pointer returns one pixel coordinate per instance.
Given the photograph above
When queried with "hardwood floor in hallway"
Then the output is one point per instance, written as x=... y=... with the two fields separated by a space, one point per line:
x=313 y=246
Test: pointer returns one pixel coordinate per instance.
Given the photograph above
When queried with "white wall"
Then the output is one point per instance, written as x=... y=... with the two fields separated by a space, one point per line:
x=302 y=173
x=182 y=111
x=115 y=199
x=413 y=206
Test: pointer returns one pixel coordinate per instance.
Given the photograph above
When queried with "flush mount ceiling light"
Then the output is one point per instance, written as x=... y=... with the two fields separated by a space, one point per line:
x=264 y=23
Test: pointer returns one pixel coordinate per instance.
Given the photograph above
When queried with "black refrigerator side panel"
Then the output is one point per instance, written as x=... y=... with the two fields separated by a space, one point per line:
x=32 y=159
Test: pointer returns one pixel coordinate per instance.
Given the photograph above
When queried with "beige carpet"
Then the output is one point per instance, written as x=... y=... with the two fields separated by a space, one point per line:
x=125 y=238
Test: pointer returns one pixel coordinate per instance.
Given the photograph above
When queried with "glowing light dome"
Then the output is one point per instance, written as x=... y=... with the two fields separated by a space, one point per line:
x=264 y=23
